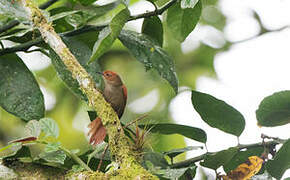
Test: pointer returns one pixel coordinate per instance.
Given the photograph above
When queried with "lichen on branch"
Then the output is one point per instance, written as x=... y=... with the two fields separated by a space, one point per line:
x=119 y=143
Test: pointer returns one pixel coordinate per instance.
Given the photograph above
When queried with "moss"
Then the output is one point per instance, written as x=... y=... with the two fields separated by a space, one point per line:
x=35 y=171
x=87 y=175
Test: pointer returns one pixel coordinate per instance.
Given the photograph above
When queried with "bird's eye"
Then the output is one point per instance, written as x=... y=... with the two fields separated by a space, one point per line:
x=108 y=74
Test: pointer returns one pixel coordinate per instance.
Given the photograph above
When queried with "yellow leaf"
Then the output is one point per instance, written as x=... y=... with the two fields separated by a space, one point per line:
x=245 y=170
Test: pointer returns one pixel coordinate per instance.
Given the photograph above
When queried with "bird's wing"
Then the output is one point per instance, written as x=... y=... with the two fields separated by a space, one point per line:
x=125 y=93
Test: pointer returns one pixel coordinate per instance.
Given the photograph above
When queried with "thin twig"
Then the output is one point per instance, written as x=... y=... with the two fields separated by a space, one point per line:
x=201 y=157
x=153 y=13
x=138 y=119
x=102 y=157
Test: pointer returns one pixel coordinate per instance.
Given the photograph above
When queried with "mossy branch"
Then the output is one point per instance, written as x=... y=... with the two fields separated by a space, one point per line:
x=119 y=144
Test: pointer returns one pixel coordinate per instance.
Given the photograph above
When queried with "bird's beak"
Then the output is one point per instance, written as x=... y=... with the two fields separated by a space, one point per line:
x=100 y=73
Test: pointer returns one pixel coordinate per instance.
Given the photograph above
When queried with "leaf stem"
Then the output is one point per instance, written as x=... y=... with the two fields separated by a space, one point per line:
x=76 y=159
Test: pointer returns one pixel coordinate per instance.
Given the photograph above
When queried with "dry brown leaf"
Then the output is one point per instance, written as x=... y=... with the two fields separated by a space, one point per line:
x=245 y=170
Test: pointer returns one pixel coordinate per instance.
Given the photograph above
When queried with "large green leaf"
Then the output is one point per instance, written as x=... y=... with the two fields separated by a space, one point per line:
x=181 y=22
x=19 y=92
x=281 y=161
x=152 y=26
x=219 y=159
x=274 y=110
x=61 y=15
x=109 y=34
x=157 y=159
x=218 y=114
x=148 y=52
x=53 y=157
x=82 y=53
x=187 y=131
x=93 y=12
x=241 y=157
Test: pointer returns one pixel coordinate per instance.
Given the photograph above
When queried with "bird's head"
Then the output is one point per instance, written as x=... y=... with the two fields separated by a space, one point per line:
x=111 y=78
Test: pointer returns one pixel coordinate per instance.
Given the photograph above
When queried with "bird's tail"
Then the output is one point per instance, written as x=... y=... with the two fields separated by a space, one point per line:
x=97 y=131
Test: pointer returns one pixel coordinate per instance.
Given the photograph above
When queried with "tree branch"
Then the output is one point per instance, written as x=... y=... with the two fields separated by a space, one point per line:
x=14 y=23
x=119 y=143
x=193 y=160
x=153 y=13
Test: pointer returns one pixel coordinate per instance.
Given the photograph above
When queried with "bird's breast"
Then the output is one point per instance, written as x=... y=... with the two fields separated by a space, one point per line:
x=115 y=96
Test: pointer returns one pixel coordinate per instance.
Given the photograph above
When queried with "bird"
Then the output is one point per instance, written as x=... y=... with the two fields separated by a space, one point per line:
x=115 y=93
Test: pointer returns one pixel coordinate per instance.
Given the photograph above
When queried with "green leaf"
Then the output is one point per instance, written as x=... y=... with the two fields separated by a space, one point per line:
x=172 y=173
x=54 y=157
x=92 y=115
x=188 y=3
x=147 y=51
x=152 y=26
x=98 y=153
x=19 y=92
x=32 y=128
x=14 y=10
x=241 y=157
x=219 y=159
x=62 y=15
x=86 y=2
x=100 y=15
x=157 y=159
x=218 y=114
x=174 y=152
x=7 y=173
x=181 y=22
x=18 y=151
x=52 y=147
x=75 y=20
x=274 y=110
x=49 y=127
x=187 y=131
x=281 y=162
x=82 y=53
x=18 y=34
x=109 y=34
x=189 y=173
x=77 y=168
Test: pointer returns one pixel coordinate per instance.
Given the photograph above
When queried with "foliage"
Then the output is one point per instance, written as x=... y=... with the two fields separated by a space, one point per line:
x=94 y=32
